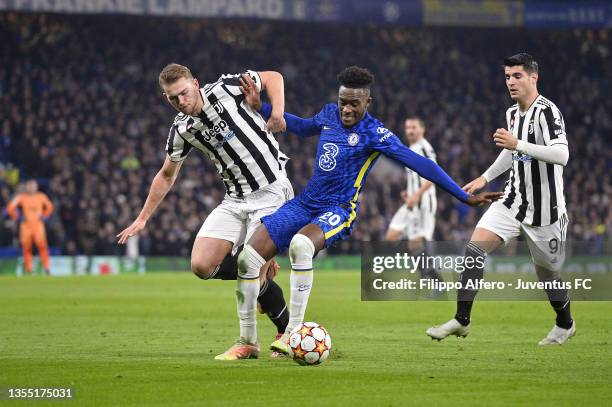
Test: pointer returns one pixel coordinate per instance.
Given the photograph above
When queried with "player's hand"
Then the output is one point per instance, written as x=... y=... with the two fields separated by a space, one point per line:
x=404 y=195
x=276 y=123
x=273 y=269
x=131 y=230
x=503 y=138
x=249 y=90
x=412 y=201
x=475 y=185
x=484 y=198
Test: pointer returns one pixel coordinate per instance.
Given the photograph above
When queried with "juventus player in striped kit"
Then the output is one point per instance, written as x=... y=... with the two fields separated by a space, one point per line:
x=415 y=220
x=215 y=120
x=535 y=151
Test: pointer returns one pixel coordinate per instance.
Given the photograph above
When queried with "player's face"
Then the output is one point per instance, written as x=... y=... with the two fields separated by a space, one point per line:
x=31 y=186
x=413 y=130
x=352 y=104
x=521 y=84
x=184 y=95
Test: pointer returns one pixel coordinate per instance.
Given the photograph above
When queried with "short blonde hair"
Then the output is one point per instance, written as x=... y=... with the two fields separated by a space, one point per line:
x=172 y=73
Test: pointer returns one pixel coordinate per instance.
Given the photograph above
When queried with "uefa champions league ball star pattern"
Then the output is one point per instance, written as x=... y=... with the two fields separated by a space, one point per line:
x=309 y=344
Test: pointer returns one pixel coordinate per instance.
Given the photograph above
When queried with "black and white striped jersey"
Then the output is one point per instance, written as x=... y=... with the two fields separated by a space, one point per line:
x=534 y=190
x=414 y=181
x=232 y=135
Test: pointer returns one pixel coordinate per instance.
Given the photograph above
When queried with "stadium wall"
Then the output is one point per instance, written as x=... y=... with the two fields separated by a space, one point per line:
x=481 y=13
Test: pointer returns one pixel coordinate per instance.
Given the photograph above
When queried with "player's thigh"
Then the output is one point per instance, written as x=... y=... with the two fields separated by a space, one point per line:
x=547 y=246
x=222 y=229
x=266 y=202
x=39 y=236
x=225 y=222
x=419 y=225
x=26 y=236
x=336 y=223
x=496 y=226
x=399 y=224
x=282 y=225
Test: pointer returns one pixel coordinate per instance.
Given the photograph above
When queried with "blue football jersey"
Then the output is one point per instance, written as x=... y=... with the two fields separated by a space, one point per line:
x=345 y=156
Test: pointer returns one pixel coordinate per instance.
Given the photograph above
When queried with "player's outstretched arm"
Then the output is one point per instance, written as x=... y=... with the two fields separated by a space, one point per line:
x=160 y=186
x=556 y=153
x=393 y=148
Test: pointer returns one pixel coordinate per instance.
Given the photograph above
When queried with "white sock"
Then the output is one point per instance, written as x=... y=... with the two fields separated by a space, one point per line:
x=301 y=252
x=249 y=264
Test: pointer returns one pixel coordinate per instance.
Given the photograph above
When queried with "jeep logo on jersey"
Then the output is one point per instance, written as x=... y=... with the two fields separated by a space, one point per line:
x=216 y=130
x=327 y=161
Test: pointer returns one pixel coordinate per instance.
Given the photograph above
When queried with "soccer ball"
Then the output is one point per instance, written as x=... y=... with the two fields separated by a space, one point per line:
x=309 y=344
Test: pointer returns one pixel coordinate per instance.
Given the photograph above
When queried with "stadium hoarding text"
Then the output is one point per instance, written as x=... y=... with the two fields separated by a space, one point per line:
x=307 y=10
x=390 y=272
x=481 y=13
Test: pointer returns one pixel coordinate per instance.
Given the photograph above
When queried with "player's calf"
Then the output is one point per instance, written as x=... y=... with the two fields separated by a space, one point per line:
x=301 y=252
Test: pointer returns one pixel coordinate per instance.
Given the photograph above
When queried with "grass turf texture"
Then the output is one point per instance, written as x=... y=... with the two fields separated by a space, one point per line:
x=150 y=340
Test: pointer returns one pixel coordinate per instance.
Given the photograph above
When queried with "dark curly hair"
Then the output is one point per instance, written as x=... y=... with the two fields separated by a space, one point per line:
x=355 y=77
x=523 y=59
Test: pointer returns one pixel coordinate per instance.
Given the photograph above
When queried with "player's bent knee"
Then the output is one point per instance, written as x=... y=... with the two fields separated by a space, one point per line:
x=301 y=249
x=249 y=263
x=202 y=269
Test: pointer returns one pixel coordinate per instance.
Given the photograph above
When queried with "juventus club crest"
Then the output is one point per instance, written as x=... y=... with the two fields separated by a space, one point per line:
x=218 y=108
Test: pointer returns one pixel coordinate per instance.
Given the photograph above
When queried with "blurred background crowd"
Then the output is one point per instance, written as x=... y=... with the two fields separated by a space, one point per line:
x=81 y=112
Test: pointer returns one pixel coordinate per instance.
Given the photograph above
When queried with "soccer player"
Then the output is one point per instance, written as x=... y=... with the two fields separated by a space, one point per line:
x=535 y=150
x=415 y=220
x=349 y=144
x=33 y=208
x=215 y=120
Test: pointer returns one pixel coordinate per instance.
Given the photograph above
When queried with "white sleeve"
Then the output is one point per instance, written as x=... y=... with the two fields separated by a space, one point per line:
x=553 y=126
x=501 y=165
x=556 y=153
x=176 y=146
x=232 y=81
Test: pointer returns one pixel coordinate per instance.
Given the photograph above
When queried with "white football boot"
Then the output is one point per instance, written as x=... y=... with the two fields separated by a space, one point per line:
x=452 y=327
x=558 y=336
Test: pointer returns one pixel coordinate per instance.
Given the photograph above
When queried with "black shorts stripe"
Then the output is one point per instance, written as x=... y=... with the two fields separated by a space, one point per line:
x=247 y=143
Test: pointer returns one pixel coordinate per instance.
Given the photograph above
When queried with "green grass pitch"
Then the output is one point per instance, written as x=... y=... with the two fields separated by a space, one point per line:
x=150 y=340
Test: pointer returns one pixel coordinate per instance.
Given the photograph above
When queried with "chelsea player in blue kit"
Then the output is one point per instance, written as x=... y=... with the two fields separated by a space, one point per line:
x=350 y=142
